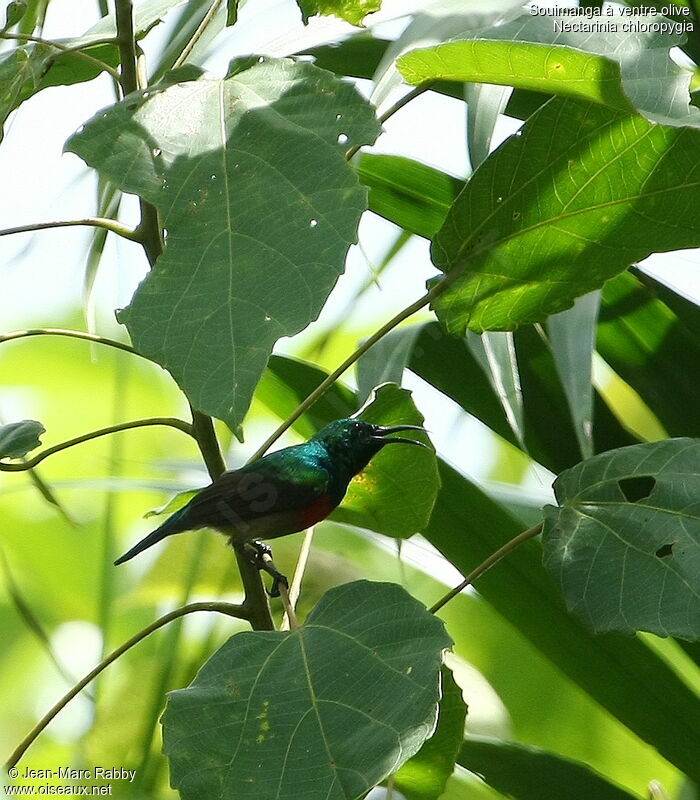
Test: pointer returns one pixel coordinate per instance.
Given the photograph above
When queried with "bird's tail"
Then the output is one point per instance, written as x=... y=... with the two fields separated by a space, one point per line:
x=171 y=526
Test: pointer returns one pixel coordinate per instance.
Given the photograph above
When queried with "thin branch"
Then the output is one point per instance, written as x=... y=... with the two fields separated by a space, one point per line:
x=494 y=558
x=171 y=422
x=95 y=222
x=90 y=337
x=229 y=609
x=398 y=105
x=196 y=36
x=326 y=384
x=76 y=51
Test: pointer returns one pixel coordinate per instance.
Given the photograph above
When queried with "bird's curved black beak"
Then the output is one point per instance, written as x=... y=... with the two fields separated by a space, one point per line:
x=381 y=432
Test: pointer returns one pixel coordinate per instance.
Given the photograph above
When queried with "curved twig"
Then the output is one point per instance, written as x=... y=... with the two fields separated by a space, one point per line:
x=30 y=463
x=485 y=565
x=229 y=609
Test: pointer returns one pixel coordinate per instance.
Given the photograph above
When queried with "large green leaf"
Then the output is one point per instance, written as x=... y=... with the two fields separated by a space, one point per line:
x=424 y=776
x=257 y=232
x=529 y=773
x=555 y=212
x=18 y=438
x=323 y=712
x=625 y=540
x=615 y=67
x=649 y=335
x=396 y=492
x=622 y=673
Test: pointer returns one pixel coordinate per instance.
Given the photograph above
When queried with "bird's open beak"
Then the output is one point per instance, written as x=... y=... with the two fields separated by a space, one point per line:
x=381 y=432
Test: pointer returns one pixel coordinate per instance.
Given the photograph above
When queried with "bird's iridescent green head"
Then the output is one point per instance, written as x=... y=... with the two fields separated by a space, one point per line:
x=351 y=443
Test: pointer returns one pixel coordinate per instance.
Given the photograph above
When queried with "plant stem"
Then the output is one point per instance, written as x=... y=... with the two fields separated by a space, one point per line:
x=229 y=609
x=171 y=422
x=126 y=41
x=90 y=337
x=398 y=105
x=494 y=558
x=189 y=47
x=95 y=222
x=76 y=51
x=255 y=600
x=326 y=384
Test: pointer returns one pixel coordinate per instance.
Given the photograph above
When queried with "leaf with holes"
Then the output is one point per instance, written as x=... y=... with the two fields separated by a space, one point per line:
x=260 y=208
x=18 y=438
x=323 y=712
x=555 y=212
x=625 y=540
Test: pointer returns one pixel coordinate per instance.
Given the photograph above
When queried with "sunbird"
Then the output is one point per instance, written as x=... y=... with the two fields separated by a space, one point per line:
x=283 y=492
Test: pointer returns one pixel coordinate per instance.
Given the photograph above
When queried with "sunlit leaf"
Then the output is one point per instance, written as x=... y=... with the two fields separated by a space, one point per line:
x=649 y=335
x=619 y=68
x=555 y=212
x=353 y=11
x=13 y=13
x=625 y=539
x=18 y=438
x=178 y=501
x=231 y=12
x=323 y=712
x=257 y=232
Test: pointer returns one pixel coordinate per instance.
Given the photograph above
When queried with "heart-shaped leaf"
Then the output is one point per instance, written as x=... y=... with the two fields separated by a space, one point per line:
x=625 y=539
x=323 y=712
x=257 y=229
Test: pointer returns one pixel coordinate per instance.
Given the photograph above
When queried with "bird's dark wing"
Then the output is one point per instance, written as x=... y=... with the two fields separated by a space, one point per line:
x=269 y=486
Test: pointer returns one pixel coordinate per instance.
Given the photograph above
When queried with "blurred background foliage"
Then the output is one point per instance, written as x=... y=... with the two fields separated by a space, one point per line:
x=63 y=605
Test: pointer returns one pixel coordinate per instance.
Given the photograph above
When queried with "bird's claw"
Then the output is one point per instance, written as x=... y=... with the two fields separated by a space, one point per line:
x=260 y=555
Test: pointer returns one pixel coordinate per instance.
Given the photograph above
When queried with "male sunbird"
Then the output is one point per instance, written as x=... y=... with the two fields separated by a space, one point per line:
x=283 y=492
